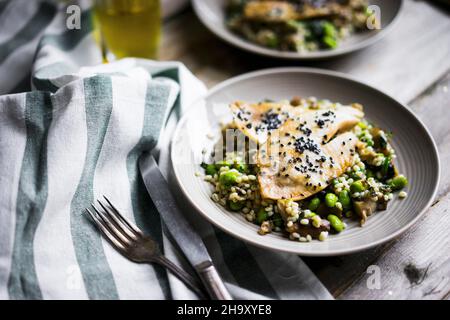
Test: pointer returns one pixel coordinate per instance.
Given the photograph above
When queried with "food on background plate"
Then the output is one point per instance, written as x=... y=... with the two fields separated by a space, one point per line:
x=298 y=25
x=307 y=166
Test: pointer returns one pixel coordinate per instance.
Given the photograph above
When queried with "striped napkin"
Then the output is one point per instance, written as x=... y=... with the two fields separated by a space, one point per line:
x=76 y=136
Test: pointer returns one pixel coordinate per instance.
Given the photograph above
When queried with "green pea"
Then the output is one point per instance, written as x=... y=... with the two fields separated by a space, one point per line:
x=336 y=223
x=330 y=200
x=370 y=143
x=277 y=220
x=210 y=169
x=261 y=216
x=399 y=182
x=236 y=206
x=314 y=204
x=357 y=186
x=228 y=178
x=345 y=199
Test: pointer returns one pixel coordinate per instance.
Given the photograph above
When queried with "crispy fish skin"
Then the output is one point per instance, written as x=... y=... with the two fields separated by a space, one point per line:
x=271 y=11
x=250 y=117
x=256 y=120
x=300 y=169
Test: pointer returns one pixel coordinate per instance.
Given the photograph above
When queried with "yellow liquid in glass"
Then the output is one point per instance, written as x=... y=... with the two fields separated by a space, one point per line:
x=129 y=28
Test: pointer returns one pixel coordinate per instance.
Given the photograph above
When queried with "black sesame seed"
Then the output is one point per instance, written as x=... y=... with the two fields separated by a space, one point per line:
x=301 y=145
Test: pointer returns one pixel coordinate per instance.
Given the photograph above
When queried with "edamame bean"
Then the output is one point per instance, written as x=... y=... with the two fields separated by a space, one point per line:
x=228 y=178
x=345 y=199
x=330 y=200
x=210 y=169
x=336 y=223
x=357 y=186
x=399 y=182
x=330 y=42
x=329 y=29
x=261 y=216
x=314 y=204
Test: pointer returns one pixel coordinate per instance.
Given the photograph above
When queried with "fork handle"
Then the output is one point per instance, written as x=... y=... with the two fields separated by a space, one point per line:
x=212 y=281
x=185 y=277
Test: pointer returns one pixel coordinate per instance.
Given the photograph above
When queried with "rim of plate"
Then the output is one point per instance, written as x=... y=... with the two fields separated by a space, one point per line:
x=334 y=74
x=239 y=42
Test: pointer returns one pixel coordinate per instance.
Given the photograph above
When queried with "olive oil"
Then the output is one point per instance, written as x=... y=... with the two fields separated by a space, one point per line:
x=128 y=28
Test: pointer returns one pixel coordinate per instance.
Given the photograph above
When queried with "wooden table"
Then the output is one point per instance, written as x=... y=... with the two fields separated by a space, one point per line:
x=412 y=64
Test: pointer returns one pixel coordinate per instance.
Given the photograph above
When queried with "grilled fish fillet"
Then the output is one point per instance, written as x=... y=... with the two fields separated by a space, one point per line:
x=283 y=11
x=258 y=120
x=294 y=165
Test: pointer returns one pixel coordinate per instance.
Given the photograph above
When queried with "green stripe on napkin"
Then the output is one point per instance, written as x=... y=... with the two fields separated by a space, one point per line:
x=145 y=213
x=34 y=26
x=31 y=197
x=96 y=273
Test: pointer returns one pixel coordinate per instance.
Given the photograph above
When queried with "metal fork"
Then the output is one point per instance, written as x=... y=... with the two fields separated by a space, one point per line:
x=131 y=242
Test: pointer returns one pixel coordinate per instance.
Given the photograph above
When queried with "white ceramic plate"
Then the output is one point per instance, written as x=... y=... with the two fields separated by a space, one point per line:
x=417 y=155
x=212 y=14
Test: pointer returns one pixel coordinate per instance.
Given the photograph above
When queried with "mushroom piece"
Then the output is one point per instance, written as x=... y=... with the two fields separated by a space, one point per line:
x=379 y=138
x=303 y=230
x=382 y=204
x=324 y=211
x=364 y=209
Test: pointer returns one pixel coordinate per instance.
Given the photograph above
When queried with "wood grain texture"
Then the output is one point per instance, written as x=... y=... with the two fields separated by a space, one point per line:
x=417 y=266
x=407 y=61
x=418 y=245
x=424 y=249
x=411 y=58
x=405 y=64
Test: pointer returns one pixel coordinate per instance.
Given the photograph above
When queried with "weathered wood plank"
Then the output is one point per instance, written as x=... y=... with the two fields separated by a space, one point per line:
x=418 y=264
x=432 y=107
x=410 y=59
x=427 y=242
x=406 y=62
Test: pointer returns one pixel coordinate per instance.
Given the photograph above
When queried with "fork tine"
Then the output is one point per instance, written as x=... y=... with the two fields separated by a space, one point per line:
x=119 y=224
x=123 y=219
x=99 y=224
x=110 y=226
